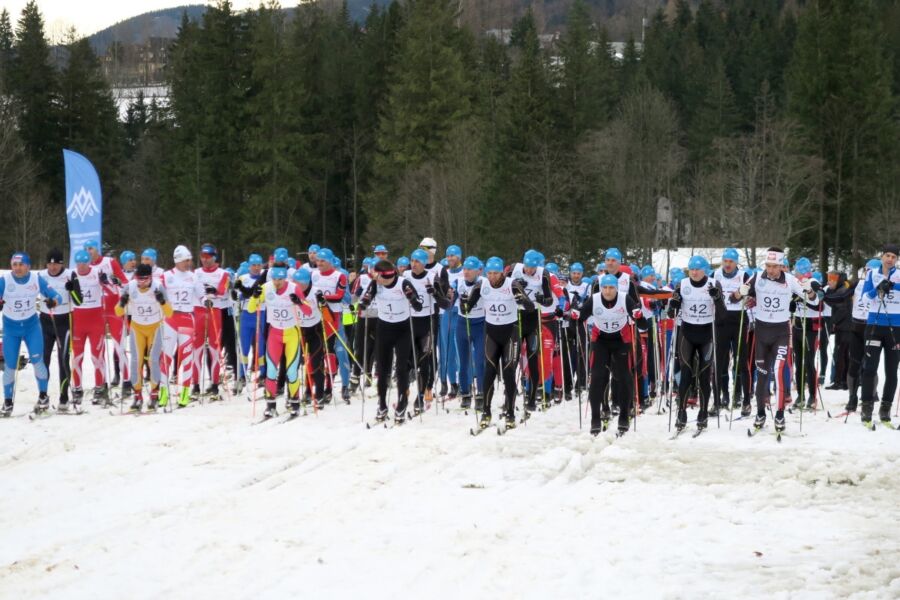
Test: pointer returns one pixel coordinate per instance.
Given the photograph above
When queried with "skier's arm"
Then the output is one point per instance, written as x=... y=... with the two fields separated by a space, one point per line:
x=368 y=295
x=635 y=310
x=48 y=292
x=471 y=300
x=409 y=290
x=546 y=297
x=586 y=309
x=338 y=294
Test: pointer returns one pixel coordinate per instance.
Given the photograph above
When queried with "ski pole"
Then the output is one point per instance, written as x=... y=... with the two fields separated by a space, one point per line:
x=738 y=385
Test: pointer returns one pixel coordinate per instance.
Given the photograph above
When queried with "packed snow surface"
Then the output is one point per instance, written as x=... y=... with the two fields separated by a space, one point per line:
x=202 y=504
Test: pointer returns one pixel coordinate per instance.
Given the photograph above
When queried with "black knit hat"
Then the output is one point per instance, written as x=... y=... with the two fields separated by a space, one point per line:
x=892 y=248
x=55 y=256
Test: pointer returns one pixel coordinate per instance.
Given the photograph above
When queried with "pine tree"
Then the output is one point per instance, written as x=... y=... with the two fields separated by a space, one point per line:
x=33 y=83
x=7 y=39
x=273 y=163
x=579 y=73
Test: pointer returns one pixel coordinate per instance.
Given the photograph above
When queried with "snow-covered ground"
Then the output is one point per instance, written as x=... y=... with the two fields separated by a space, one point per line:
x=200 y=504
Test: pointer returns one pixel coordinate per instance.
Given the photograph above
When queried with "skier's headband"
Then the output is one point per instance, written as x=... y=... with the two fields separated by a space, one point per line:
x=774 y=258
x=386 y=274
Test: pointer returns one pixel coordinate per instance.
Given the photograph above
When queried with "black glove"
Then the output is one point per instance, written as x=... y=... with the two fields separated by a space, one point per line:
x=672 y=311
x=208 y=303
x=429 y=288
x=715 y=292
x=320 y=298
x=792 y=307
x=210 y=290
x=464 y=303
x=295 y=299
x=676 y=296
x=674 y=304
x=539 y=297
x=116 y=281
x=160 y=297
x=519 y=284
x=70 y=284
x=235 y=295
x=815 y=285
x=49 y=303
x=103 y=278
x=123 y=301
x=576 y=301
x=885 y=286
x=256 y=292
x=558 y=311
x=239 y=285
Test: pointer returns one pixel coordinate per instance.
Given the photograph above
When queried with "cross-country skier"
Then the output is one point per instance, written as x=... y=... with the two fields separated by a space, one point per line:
x=19 y=290
x=611 y=310
x=55 y=323
x=395 y=297
x=771 y=292
x=144 y=301
x=699 y=302
x=882 y=287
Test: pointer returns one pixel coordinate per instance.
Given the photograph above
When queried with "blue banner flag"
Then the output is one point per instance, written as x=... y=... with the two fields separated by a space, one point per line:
x=84 y=203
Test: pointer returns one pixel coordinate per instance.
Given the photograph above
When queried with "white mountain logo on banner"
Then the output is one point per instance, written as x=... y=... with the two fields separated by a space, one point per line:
x=82 y=205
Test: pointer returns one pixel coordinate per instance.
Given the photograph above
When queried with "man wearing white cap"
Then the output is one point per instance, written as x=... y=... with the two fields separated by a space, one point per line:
x=771 y=292
x=183 y=290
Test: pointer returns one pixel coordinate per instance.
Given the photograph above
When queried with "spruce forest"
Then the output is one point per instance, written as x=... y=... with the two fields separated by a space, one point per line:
x=760 y=121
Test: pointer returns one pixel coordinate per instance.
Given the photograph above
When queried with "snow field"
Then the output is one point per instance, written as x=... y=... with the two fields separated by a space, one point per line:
x=200 y=504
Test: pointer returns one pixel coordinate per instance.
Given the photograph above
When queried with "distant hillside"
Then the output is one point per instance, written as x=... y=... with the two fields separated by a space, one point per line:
x=164 y=23
x=621 y=17
x=137 y=30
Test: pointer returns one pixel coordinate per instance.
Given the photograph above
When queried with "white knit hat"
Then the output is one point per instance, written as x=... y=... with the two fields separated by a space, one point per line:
x=428 y=243
x=181 y=253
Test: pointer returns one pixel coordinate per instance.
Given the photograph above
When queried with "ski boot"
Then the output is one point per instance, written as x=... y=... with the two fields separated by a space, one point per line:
x=884 y=414
x=454 y=391
x=605 y=416
x=557 y=396
x=811 y=404
x=443 y=392
x=115 y=380
x=7 y=409
x=418 y=405
x=294 y=410
x=63 y=406
x=400 y=416
x=101 y=395
x=779 y=421
x=865 y=414
x=185 y=398
x=307 y=398
x=623 y=426
x=681 y=419
x=485 y=420
x=479 y=402
x=345 y=394
x=354 y=383
x=759 y=422
x=702 y=421
x=270 y=411
x=736 y=404
x=163 y=399
x=597 y=430
x=127 y=390
x=212 y=392
x=194 y=393
x=77 y=397
x=511 y=420
x=568 y=396
x=326 y=398
x=136 y=405
x=713 y=410
x=43 y=404
x=382 y=415
x=466 y=402
x=154 y=400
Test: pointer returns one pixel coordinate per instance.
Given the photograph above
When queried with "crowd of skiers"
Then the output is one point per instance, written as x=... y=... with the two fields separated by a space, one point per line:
x=463 y=329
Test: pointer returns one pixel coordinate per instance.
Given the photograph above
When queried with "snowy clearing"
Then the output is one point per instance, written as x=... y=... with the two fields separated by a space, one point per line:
x=200 y=504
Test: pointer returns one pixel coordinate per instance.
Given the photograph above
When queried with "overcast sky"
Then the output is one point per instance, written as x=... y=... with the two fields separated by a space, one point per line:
x=90 y=16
